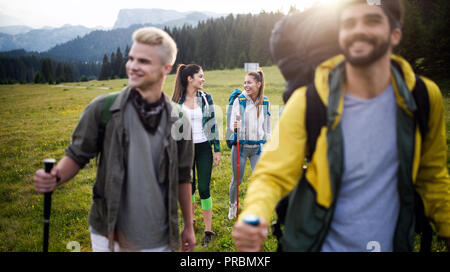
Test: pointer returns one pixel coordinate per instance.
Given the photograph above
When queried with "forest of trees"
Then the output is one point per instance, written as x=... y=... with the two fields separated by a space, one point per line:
x=426 y=42
x=35 y=69
x=214 y=44
x=228 y=42
x=115 y=66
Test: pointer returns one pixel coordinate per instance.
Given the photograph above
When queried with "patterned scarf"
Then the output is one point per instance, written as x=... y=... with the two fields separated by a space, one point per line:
x=149 y=113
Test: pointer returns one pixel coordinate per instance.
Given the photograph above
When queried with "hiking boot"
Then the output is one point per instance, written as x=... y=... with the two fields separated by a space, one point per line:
x=208 y=238
x=232 y=211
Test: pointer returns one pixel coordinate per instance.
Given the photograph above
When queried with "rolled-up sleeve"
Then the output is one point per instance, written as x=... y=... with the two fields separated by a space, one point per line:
x=84 y=145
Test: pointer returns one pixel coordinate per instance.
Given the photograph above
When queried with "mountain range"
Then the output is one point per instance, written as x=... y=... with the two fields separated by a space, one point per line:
x=15 y=29
x=41 y=40
x=170 y=18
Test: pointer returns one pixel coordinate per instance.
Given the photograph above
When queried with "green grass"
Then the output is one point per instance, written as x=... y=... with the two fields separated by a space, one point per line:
x=37 y=122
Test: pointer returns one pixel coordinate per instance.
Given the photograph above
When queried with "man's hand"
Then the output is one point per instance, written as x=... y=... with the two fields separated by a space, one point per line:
x=65 y=170
x=185 y=199
x=249 y=238
x=188 y=239
x=45 y=182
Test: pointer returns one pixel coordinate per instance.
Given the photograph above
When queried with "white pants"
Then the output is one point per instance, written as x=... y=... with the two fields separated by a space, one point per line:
x=101 y=244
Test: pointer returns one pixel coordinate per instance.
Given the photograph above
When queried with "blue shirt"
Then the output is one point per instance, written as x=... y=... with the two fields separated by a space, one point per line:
x=368 y=202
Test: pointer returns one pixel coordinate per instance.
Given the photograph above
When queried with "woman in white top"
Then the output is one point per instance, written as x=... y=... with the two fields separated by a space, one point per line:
x=253 y=129
x=200 y=107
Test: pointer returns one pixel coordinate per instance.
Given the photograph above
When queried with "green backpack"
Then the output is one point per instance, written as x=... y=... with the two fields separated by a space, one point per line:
x=105 y=117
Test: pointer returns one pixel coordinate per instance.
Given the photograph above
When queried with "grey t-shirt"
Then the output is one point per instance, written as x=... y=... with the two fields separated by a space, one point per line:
x=367 y=205
x=143 y=216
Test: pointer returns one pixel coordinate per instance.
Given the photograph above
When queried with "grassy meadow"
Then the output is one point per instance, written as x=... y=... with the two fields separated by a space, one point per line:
x=37 y=121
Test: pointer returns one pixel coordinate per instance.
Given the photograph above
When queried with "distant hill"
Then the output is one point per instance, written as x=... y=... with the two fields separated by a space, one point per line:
x=92 y=46
x=14 y=30
x=171 y=18
x=54 y=39
x=41 y=39
x=95 y=44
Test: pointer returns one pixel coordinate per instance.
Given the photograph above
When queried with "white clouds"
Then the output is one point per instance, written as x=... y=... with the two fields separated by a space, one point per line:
x=57 y=13
x=103 y=12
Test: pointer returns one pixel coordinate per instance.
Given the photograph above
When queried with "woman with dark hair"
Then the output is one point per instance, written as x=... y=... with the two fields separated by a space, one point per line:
x=253 y=129
x=200 y=107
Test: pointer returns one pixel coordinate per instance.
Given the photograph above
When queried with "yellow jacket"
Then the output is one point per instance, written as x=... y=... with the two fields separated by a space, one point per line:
x=280 y=166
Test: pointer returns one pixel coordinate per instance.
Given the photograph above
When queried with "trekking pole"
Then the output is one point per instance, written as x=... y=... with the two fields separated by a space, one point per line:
x=238 y=118
x=49 y=163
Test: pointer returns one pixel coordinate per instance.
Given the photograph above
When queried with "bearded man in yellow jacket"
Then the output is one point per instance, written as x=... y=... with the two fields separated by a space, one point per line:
x=371 y=157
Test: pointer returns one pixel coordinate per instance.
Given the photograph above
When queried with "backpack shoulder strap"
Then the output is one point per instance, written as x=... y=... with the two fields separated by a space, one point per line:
x=234 y=94
x=266 y=104
x=421 y=116
x=315 y=119
x=243 y=104
x=106 y=114
x=420 y=94
x=105 y=117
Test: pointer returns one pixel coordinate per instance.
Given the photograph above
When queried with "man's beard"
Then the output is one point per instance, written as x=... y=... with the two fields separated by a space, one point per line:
x=378 y=51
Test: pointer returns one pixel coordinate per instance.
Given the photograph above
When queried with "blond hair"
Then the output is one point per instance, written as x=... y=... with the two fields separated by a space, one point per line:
x=157 y=37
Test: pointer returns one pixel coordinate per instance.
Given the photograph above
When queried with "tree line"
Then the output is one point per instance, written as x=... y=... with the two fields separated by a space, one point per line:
x=223 y=43
x=227 y=42
x=426 y=42
x=35 y=69
x=115 y=66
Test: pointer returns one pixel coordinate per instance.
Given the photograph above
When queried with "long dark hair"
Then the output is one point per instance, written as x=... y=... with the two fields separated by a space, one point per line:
x=181 y=81
x=259 y=77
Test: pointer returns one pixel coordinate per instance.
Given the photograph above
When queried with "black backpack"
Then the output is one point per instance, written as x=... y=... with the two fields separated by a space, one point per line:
x=300 y=42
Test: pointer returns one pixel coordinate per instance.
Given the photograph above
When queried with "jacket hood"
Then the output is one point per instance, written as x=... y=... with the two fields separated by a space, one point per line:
x=322 y=74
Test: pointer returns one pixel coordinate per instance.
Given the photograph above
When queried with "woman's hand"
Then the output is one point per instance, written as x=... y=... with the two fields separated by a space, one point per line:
x=237 y=124
x=216 y=159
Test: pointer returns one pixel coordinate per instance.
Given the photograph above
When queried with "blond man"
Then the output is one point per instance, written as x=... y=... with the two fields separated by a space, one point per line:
x=142 y=170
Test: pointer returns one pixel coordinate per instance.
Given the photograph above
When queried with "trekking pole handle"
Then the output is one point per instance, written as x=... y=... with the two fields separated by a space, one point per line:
x=238 y=119
x=49 y=163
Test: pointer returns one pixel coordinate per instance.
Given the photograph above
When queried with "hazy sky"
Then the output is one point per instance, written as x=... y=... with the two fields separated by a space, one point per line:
x=90 y=13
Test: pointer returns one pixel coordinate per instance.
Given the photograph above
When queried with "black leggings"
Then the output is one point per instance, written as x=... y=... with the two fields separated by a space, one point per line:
x=203 y=161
